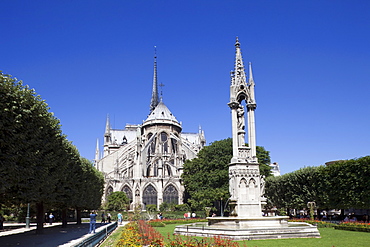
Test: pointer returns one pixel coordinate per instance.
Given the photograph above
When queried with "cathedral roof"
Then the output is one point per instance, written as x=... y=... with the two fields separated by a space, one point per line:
x=161 y=114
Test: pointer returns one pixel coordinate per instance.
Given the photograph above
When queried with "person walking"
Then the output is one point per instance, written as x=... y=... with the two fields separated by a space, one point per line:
x=93 y=216
x=51 y=218
x=102 y=219
x=119 y=216
x=109 y=217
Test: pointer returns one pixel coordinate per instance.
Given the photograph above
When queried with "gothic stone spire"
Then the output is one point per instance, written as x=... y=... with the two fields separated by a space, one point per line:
x=155 y=98
x=241 y=91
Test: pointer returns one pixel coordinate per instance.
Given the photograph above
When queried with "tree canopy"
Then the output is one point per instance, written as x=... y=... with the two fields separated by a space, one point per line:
x=339 y=185
x=206 y=177
x=37 y=163
x=117 y=201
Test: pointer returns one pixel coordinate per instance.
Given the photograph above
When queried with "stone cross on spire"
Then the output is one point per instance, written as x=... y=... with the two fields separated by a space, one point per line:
x=155 y=98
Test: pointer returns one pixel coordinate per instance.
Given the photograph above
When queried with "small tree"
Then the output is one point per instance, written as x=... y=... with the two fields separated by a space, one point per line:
x=117 y=201
x=164 y=206
x=207 y=177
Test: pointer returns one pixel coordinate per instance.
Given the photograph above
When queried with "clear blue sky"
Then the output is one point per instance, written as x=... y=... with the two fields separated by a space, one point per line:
x=311 y=66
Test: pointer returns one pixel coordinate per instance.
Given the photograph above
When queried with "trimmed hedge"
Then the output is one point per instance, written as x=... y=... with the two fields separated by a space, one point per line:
x=160 y=223
x=318 y=223
x=353 y=226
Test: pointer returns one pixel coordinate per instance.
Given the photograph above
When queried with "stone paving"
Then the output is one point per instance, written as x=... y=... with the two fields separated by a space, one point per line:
x=54 y=235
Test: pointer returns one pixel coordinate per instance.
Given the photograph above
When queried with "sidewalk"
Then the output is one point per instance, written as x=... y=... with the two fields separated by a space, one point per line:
x=54 y=235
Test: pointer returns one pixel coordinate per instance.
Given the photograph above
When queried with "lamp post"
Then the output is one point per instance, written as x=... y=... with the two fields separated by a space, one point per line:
x=28 y=216
x=222 y=212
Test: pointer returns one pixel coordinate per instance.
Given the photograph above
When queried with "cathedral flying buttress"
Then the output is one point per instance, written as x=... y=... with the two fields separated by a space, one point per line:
x=146 y=160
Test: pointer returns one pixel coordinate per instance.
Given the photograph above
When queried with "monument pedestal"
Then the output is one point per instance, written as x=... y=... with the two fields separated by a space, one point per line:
x=248 y=222
x=249 y=228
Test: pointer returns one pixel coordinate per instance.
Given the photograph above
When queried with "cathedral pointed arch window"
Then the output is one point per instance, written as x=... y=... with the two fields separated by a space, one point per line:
x=170 y=194
x=164 y=142
x=152 y=145
x=174 y=145
x=150 y=195
x=128 y=192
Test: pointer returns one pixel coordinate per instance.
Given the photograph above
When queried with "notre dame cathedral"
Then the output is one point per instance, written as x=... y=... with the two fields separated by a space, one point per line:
x=146 y=160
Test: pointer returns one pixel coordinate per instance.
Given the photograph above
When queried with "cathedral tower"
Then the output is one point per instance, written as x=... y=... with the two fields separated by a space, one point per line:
x=146 y=160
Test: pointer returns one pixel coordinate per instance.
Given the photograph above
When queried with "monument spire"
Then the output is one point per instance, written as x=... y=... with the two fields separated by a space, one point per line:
x=155 y=98
x=251 y=85
x=244 y=176
x=239 y=77
x=97 y=156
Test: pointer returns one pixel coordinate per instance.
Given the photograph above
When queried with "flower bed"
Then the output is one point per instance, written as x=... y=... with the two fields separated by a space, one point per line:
x=187 y=241
x=354 y=226
x=142 y=234
x=130 y=236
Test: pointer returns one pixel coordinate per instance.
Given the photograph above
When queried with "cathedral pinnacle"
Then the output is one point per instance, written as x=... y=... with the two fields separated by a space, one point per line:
x=237 y=44
x=107 y=125
x=155 y=98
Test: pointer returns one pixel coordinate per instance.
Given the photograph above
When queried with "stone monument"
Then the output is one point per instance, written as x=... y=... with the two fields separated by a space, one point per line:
x=246 y=185
x=245 y=181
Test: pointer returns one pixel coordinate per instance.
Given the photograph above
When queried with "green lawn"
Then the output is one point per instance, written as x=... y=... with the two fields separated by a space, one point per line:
x=112 y=239
x=329 y=238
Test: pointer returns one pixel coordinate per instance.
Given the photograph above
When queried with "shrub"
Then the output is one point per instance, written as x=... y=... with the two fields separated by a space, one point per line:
x=182 y=207
x=151 y=207
x=156 y=223
x=318 y=223
x=353 y=226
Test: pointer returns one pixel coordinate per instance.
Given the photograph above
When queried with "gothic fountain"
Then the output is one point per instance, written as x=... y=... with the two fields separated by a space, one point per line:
x=246 y=185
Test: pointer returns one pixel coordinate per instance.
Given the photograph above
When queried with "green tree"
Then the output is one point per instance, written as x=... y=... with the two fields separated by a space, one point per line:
x=37 y=163
x=30 y=144
x=351 y=183
x=343 y=184
x=117 y=201
x=90 y=184
x=294 y=190
x=69 y=172
x=206 y=178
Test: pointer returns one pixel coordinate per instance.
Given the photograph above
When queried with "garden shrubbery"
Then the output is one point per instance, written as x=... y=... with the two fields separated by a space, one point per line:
x=318 y=223
x=164 y=222
x=349 y=226
x=353 y=226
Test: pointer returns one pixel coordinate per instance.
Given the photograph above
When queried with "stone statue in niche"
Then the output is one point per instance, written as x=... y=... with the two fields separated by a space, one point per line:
x=241 y=125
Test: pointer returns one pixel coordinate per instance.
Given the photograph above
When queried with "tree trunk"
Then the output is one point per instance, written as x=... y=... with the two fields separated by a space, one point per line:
x=64 y=217
x=40 y=217
x=78 y=216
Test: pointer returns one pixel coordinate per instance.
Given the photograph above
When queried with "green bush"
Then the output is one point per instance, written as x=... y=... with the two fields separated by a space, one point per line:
x=157 y=223
x=151 y=208
x=183 y=221
x=318 y=223
x=354 y=226
x=182 y=207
